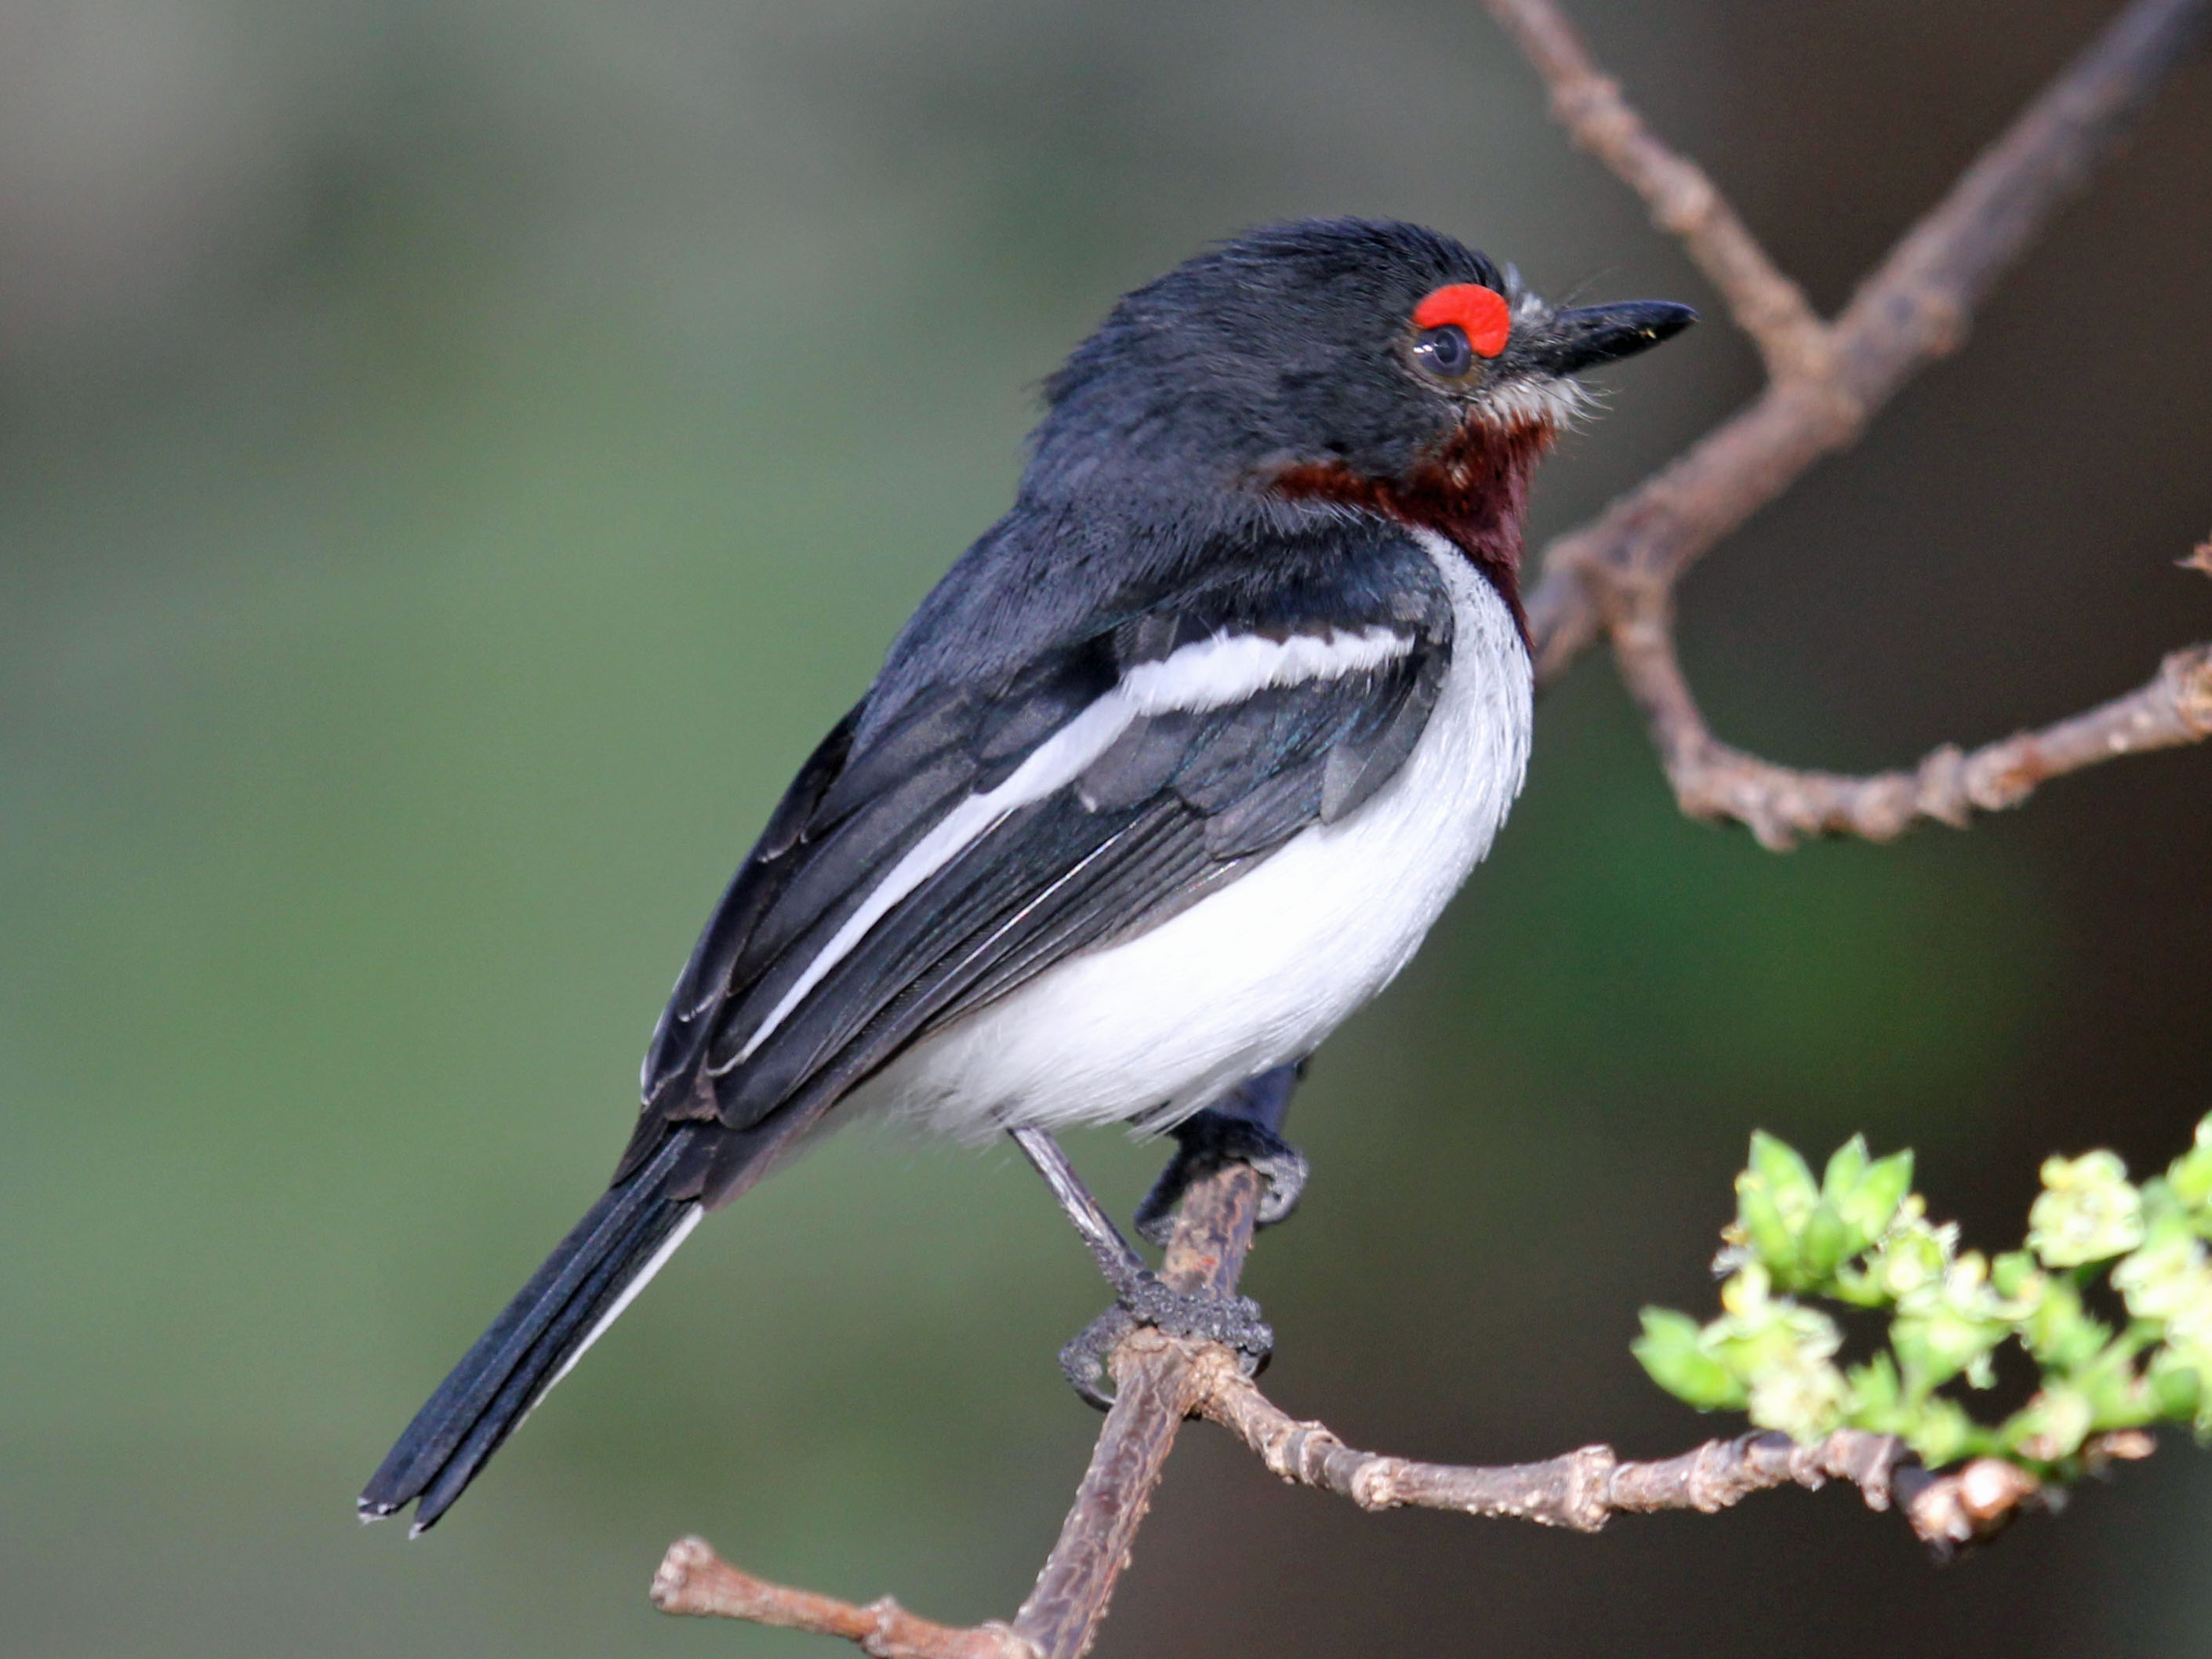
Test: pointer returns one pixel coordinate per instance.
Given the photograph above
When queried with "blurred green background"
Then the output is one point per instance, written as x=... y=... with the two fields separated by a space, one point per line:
x=455 y=459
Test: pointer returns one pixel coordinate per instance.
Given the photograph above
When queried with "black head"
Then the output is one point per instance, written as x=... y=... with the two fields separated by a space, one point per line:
x=1366 y=346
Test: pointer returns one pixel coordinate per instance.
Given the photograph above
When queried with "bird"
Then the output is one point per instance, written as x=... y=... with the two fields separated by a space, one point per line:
x=1169 y=774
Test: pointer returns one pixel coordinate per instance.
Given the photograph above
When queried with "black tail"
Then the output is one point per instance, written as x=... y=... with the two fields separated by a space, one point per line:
x=581 y=1286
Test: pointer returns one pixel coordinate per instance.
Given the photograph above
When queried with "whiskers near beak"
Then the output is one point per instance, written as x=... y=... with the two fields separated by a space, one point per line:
x=1533 y=400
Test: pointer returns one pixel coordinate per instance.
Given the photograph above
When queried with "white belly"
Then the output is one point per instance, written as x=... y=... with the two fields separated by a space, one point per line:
x=1260 y=972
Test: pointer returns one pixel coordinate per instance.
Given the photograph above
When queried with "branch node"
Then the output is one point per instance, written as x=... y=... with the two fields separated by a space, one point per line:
x=2187 y=676
x=1969 y=1504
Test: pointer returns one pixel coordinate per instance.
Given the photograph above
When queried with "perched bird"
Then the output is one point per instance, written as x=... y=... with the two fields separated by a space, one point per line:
x=1170 y=773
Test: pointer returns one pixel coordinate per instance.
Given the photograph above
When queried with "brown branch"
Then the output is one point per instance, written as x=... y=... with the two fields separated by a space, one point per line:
x=1157 y=1383
x=1778 y=805
x=1161 y=1380
x=1585 y=1489
x=1616 y=575
x=1766 y=305
x=694 y=1580
x=1582 y=1490
x=1155 y=1387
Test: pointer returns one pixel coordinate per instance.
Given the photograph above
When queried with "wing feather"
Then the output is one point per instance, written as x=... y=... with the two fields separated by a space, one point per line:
x=798 y=990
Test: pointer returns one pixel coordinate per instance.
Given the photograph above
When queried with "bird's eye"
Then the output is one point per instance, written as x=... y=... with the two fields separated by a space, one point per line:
x=1444 y=352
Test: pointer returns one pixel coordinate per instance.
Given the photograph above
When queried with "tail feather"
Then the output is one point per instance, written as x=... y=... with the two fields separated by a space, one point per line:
x=588 y=1280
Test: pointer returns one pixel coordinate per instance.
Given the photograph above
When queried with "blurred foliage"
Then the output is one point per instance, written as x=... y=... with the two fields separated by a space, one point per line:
x=1860 y=1237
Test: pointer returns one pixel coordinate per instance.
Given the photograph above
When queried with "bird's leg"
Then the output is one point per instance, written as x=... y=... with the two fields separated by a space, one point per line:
x=1141 y=1298
x=1116 y=1257
x=1243 y=1127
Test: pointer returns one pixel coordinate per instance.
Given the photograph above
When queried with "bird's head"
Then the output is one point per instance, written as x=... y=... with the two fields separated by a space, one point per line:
x=1364 y=361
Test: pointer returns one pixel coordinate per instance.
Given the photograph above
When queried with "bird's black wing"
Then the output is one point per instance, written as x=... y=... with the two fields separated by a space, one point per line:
x=843 y=973
x=894 y=891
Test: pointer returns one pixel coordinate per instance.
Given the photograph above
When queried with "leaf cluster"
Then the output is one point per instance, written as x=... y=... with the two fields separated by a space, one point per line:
x=1858 y=1237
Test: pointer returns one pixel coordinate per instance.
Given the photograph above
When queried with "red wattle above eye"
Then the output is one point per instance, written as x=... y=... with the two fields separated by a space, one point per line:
x=1480 y=314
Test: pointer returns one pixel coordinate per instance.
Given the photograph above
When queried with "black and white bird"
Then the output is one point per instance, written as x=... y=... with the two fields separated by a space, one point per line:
x=1170 y=772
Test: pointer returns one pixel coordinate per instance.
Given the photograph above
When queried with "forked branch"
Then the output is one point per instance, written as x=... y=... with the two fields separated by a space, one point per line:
x=1779 y=804
x=1617 y=576
x=1162 y=1380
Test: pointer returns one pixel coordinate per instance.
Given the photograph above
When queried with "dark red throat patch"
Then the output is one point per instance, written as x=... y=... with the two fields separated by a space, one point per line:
x=1474 y=492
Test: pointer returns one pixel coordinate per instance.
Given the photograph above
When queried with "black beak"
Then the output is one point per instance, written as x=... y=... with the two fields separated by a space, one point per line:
x=1575 y=340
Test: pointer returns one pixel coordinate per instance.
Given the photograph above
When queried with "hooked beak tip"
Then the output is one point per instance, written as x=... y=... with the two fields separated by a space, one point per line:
x=1591 y=335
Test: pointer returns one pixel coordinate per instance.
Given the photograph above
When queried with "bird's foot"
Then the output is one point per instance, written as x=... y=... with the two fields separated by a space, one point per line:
x=1232 y=1321
x=1204 y=1142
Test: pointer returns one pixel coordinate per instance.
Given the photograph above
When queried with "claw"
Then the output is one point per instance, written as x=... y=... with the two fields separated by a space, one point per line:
x=1232 y=1321
x=1205 y=1142
x=1083 y=1361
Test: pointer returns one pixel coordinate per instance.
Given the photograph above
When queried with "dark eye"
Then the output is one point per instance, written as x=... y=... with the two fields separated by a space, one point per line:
x=1444 y=352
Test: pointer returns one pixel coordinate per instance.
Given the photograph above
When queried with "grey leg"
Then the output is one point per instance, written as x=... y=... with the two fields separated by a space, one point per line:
x=1140 y=1296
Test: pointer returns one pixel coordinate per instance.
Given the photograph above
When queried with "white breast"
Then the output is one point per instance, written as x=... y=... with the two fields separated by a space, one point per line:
x=1260 y=972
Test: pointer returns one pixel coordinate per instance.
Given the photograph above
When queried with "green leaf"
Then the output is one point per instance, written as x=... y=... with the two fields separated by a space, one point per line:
x=2190 y=1175
x=1935 y=1345
x=1671 y=1351
x=2170 y=1277
x=2051 y=1426
x=1877 y=1397
x=2177 y=1380
x=2059 y=1333
x=1873 y=1204
x=2014 y=1275
x=1771 y=1237
x=1786 y=1177
x=1861 y=1236
x=1943 y=1433
x=1911 y=1263
x=1847 y=1166
x=1802 y=1395
x=1822 y=1246
x=2088 y=1212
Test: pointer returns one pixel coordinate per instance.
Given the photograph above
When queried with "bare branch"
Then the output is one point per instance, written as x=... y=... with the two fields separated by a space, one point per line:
x=1713 y=781
x=693 y=1579
x=1155 y=1387
x=1161 y=1380
x=1616 y=574
x=1585 y=1489
x=1582 y=1490
x=1766 y=305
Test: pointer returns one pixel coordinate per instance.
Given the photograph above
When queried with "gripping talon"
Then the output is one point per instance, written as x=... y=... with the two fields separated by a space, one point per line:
x=1083 y=1361
x=1207 y=1141
x=1233 y=1320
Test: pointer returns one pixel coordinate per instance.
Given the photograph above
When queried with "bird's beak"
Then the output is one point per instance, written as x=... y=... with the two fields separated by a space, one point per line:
x=1573 y=341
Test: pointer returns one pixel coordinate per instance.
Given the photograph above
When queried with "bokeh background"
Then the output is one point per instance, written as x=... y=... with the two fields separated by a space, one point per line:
x=455 y=459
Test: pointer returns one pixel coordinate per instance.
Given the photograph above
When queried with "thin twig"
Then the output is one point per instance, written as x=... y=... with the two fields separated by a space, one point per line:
x=1161 y=1380
x=1617 y=574
x=694 y=1580
x=1766 y=305
x=1155 y=1387
x=1582 y=1490
x=1913 y=310
x=1585 y=1489
x=1778 y=805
